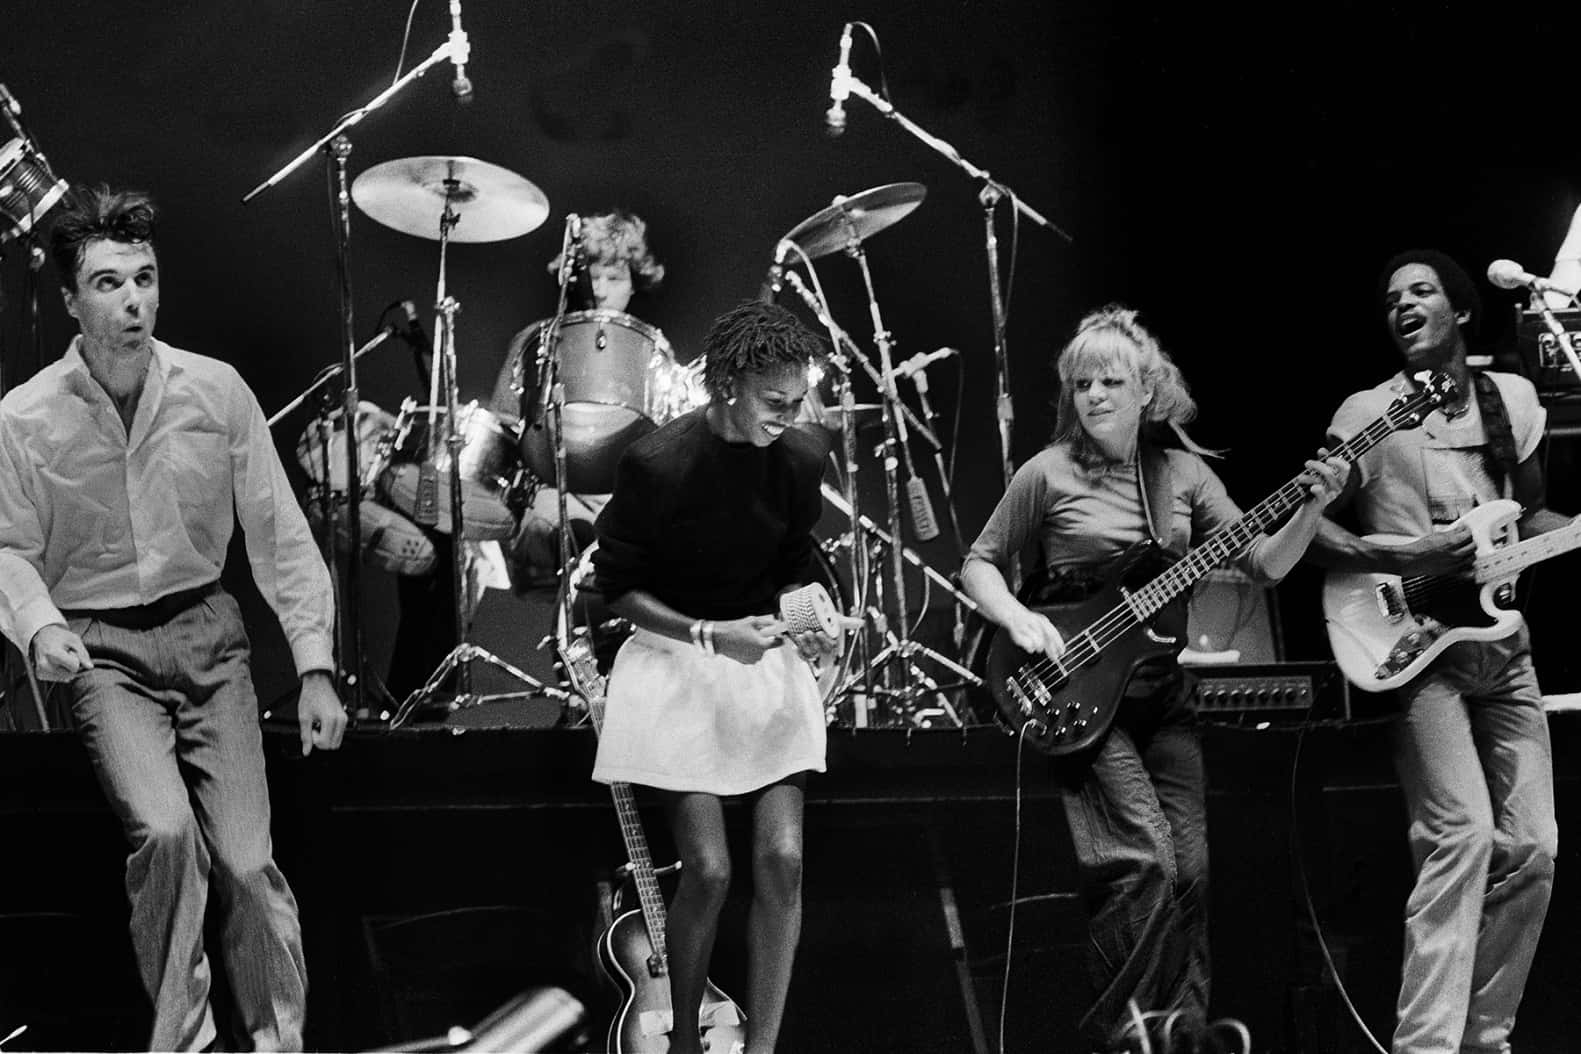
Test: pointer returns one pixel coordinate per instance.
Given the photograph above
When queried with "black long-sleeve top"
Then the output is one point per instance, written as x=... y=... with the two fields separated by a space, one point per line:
x=713 y=529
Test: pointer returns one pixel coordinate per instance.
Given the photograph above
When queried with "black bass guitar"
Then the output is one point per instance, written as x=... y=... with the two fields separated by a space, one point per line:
x=632 y=950
x=1065 y=705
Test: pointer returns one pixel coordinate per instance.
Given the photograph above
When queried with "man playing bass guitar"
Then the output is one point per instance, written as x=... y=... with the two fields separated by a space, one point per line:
x=1471 y=751
x=1135 y=800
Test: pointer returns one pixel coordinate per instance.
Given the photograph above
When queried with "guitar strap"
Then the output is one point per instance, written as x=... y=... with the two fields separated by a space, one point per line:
x=1153 y=483
x=1496 y=425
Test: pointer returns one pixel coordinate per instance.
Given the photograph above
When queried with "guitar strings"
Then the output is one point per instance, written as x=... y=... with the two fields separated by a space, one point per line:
x=1153 y=597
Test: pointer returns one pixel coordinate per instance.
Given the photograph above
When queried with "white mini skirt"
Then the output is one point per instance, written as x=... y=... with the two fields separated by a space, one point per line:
x=680 y=720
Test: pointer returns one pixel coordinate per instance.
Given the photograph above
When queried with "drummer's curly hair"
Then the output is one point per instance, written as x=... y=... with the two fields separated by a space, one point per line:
x=93 y=214
x=752 y=337
x=618 y=236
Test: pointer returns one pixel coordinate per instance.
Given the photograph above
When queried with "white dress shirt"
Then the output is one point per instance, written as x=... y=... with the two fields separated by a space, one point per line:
x=94 y=517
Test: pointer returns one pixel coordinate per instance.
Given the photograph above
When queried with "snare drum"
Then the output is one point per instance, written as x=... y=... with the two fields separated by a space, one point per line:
x=489 y=464
x=619 y=377
x=375 y=428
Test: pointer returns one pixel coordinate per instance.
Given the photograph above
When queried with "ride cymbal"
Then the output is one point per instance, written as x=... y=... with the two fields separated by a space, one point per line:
x=492 y=204
x=854 y=219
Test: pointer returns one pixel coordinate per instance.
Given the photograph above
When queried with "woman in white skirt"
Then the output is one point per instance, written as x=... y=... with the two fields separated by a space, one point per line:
x=710 y=522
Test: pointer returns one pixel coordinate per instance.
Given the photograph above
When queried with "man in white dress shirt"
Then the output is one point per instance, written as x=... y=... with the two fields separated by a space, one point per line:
x=123 y=469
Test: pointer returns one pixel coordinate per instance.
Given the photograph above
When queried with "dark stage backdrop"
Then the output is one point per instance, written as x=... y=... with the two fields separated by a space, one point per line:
x=1238 y=173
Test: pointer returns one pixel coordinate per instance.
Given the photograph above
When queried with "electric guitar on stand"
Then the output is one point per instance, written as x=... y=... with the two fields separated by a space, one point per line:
x=1065 y=705
x=1384 y=628
x=632 y=950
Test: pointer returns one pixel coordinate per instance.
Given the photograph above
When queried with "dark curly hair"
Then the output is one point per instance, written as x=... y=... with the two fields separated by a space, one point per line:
x=753 y=337
x=98 y=213
x=1460 y=290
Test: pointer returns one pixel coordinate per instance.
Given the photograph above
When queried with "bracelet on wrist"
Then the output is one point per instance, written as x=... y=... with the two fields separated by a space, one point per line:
x=708 y=639
x=696 y=631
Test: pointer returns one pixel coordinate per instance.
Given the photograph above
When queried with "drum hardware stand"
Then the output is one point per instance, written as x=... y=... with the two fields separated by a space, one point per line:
x=846 y=350
x=992 y=193
x=901 y=675
x=899 y=647
x=444 y=379
x=338 y=147
x=551 y=405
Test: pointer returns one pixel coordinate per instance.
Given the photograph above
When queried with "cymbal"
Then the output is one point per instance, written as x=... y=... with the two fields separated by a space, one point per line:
x=492 y=203
x=856 y=218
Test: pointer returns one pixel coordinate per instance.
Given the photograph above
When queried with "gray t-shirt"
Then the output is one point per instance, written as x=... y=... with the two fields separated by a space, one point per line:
x=1084 y=520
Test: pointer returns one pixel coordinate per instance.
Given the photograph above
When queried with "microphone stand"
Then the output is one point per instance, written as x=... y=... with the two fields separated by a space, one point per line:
x=1557 y=329
x=551 y=406
x=351 y=659
x=992 y=193
x=349 y=622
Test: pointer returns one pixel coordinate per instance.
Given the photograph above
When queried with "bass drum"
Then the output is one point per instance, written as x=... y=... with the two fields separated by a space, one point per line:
x=597 y=630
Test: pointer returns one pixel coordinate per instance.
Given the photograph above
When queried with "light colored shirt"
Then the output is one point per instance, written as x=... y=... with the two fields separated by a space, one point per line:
x=94 y=517
x=1425 y=478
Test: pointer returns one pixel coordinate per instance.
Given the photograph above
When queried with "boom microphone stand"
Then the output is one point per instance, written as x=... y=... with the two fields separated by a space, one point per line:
x=454 y=48
x=991 y=194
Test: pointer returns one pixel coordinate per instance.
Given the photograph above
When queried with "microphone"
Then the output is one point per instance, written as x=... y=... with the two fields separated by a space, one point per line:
x=410 y=328
x=924 y=525
x=460 y=54
x=922 y=360
x=839 y=86
x=774 y=281
x=1507 y=274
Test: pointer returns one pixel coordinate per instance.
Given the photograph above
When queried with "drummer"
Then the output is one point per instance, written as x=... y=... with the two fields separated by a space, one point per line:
x=619 y=265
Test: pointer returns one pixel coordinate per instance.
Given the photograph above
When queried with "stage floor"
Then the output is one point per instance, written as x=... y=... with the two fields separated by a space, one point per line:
x=441 y=870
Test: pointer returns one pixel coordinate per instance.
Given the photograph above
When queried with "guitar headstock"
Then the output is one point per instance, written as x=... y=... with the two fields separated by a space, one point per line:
x=1434 y=388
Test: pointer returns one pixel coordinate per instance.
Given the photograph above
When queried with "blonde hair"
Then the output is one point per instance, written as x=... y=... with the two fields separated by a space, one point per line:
x=619 y=236
x=1109 y=337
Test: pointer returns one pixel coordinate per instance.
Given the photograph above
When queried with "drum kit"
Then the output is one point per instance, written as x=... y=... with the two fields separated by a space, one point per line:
x=608 y=378
x=600 y=380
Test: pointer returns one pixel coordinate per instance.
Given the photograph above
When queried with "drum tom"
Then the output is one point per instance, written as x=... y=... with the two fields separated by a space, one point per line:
x=375 y=428
x=620 y=381
x=489 y=464
x=28 y=189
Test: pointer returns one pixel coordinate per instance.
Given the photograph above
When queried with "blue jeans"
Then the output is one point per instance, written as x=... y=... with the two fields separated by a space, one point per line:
x=1474 y=762
x=170 y=722
x=1137 y=817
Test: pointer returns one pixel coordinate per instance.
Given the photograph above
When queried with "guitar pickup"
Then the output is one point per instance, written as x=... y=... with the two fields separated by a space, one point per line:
x=1407 y=649
x=1391 y=605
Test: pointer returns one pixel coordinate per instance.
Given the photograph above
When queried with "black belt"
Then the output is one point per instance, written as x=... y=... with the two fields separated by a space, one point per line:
x=147 y=616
